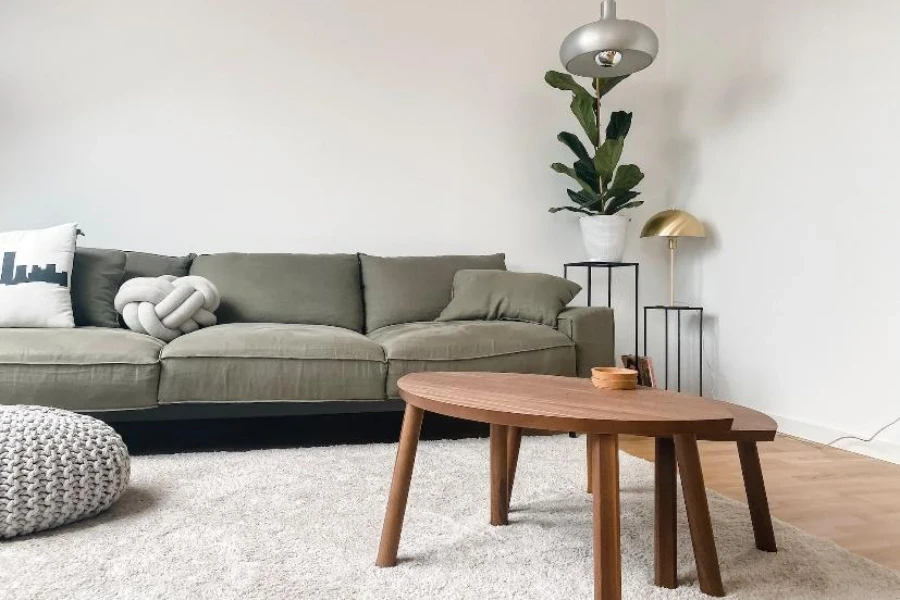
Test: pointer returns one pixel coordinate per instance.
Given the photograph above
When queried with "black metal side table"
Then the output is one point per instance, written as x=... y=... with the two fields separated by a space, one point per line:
x=677 y=310
x=609 y=266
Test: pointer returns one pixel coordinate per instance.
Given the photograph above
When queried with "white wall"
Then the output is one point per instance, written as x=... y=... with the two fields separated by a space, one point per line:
x=784 y=139
x=407 y=127
x=397 y=127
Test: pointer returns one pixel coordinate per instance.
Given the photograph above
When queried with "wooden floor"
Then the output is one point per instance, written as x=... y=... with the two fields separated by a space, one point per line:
x=851 y=499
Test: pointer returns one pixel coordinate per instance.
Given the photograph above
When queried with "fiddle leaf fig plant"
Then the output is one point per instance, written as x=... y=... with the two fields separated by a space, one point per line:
x=605 y=187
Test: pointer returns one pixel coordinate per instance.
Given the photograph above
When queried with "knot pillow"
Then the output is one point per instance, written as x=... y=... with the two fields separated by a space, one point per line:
x=167 y=306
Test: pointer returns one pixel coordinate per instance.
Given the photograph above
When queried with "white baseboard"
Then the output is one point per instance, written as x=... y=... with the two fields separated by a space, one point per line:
x=882 y=450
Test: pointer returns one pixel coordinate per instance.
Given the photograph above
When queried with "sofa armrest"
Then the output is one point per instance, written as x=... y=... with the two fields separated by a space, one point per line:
x=592 y=328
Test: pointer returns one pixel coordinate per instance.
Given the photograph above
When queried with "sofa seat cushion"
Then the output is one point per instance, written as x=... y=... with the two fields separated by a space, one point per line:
x=498 y=346
x=84 y=369
x=246 y=362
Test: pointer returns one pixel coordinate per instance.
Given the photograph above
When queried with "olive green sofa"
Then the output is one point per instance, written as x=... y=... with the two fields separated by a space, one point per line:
x=297 y=333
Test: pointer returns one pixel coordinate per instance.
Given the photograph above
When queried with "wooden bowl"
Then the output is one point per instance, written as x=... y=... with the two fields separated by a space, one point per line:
x=614 y=372
x=602 y=384
x=614 y=378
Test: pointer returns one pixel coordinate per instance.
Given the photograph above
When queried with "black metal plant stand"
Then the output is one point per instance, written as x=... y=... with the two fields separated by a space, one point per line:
x=678 y=310
x=609 y=266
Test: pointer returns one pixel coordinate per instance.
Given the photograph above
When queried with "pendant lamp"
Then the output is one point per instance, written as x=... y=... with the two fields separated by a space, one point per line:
x=609 y=47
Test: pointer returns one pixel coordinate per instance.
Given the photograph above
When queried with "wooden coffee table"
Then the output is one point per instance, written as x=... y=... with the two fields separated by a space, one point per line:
x=511 y=402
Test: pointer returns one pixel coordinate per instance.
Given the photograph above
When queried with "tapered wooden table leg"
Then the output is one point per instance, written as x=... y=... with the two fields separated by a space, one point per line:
x=499 y=474
x=694 y=491
x=665 y=546
x=513 y=443
x=403 y=469
x=755 y=487
x=604 y=450
x=590 y=464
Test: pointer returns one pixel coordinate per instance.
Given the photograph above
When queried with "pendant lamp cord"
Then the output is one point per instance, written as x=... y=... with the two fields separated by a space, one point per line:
x=598 y=86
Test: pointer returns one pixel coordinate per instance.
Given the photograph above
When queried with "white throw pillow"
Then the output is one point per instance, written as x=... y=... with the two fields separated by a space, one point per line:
x=35 y=271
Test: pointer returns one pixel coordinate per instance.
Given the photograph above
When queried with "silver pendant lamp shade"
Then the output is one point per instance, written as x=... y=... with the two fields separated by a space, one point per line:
x=609 y=47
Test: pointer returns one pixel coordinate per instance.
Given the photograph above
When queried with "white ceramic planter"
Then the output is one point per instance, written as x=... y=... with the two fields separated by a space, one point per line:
x=604 y=237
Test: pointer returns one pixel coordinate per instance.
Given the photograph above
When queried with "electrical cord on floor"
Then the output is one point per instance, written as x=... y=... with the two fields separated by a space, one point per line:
x=866 y=440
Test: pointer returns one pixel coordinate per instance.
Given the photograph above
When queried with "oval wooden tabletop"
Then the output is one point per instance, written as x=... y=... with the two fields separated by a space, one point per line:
x=563 y=404
x=749 y=426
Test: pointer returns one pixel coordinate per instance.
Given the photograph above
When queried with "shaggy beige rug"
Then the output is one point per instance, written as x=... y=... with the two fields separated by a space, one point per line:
x=305 y=523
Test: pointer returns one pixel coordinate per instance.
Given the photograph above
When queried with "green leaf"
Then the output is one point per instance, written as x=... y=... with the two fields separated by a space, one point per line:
x=608 y=83
x=561 y=168
x=557 y=209
x=564 y=170
x=617 y=201
x=619 y=125
x=574 y=197
x=627 y=176
x=607 y=158
x=565 y=82
x=586 y=171
x=583 y=109
x=582 y=102
x=626 y=206
x=574 y=144
x=596 y=204
x=585 y=198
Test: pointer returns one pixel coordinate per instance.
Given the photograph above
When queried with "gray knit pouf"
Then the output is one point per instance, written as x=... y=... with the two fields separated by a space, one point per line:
x=56 y=467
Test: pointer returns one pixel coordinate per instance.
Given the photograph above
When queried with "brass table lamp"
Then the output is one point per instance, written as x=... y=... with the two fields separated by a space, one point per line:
x=673 y=224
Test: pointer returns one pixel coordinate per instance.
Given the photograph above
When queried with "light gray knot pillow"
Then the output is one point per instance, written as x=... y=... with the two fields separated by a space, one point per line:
x=167 y=306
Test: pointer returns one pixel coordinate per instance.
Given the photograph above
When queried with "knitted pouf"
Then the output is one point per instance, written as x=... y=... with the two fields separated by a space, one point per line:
x=56 y=467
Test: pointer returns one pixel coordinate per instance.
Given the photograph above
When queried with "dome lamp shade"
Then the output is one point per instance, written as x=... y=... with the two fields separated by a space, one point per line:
x=609 y=47
x=673 y=223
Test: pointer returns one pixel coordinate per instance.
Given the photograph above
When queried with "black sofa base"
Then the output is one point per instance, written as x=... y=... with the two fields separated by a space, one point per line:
x=242 y=410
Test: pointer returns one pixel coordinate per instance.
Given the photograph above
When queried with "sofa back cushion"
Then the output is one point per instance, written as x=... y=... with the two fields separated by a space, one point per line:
x=96 y=277
x=145 y=264
x=311 y=289
x=408 y=289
